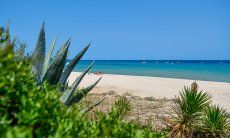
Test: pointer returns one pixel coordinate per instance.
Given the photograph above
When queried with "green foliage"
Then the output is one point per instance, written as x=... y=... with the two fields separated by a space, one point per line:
x=67 y=96
x=111 y=125
x=54 y=73
x=32 y=110
x=71 y=65
x=29 y=109
x=216 y=122
x=81 y=93
x=121 y=107
x=20 y=52
x=48 y=56
x=23 y=103
x=189 y=107
x=4 y=37
x=194 y=117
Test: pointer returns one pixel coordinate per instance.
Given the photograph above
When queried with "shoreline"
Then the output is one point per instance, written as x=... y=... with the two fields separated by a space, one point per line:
x=158 y=77
x=157 y=87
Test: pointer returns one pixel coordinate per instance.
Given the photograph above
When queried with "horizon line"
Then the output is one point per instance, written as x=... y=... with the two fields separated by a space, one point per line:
x=155 y=59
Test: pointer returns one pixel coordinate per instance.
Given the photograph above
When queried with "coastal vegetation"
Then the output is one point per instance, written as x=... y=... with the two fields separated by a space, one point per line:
x=30 y=108
x=55 y=73
x=36 y=101
x=196 y=117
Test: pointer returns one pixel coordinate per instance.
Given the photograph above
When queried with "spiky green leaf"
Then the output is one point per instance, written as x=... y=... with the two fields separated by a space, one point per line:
x=48 y=56
x=38 y=55
x=71 y=66
x=216 y=122
x=89 y=88
x=83 y=93
x=55 y=69
x=67 y=94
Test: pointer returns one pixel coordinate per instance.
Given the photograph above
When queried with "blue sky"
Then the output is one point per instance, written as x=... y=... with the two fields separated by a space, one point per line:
x=126 y=29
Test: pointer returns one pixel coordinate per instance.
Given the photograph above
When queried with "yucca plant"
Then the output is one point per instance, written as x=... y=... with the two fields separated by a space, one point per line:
x=55 y=72
x=188 y=108
x=216 y=122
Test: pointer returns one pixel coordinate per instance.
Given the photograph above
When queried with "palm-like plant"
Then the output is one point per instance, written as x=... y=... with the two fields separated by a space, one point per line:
x=216 y=122
x=188 y=107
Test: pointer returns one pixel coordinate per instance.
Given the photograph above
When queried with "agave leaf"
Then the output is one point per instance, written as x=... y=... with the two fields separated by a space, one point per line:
x=63 y=88
x=66 y=96
x=89 y=88
x=55 y=69
x=71 y=65
x=67 y=84
x=38 y=55
x=48 y=56
x=86 y=110
x=83 y=93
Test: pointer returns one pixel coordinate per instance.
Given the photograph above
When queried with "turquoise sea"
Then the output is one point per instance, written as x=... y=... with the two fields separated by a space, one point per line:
x=211 y=70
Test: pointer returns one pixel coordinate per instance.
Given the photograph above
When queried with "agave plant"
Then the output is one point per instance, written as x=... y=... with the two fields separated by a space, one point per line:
x=55 y=72
x=188 y=108
x=216 y=122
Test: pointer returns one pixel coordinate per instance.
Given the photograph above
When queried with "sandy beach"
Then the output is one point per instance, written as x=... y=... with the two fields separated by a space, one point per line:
x=154 y=86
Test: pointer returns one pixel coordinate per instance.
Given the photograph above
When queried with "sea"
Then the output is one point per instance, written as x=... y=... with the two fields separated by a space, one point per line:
x=207 y=70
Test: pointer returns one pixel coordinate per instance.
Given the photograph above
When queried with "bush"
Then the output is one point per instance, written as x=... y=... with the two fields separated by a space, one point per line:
x=23 y=102
x=216 y=122
x=194 y=117
x=189 y=108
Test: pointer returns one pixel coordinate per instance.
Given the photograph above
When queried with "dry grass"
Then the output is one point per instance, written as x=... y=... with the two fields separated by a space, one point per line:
x=147 y=112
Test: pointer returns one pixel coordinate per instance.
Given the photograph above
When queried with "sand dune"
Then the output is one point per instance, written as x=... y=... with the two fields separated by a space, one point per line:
x=154 y=86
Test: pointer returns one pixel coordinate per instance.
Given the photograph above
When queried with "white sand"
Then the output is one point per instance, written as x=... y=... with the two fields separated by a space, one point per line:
x=154 y=86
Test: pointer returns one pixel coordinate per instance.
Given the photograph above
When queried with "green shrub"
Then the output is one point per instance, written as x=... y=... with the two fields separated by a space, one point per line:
x=188 y=107
x=22 y=101
x=121 y=107
x=216 y=122
x=194 y=117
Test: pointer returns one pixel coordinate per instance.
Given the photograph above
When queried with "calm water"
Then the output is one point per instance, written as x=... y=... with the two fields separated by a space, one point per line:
x=195 y=70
